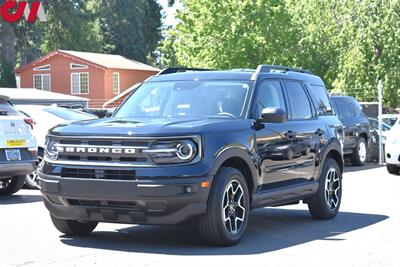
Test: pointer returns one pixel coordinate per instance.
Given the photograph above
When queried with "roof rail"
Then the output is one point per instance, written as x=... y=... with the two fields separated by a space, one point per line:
x=179 y=69
x=269 y=68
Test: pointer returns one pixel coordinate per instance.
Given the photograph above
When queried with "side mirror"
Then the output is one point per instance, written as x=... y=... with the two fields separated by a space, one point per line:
x=273 y=115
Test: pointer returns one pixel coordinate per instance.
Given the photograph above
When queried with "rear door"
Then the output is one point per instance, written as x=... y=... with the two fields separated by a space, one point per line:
x=309 y=130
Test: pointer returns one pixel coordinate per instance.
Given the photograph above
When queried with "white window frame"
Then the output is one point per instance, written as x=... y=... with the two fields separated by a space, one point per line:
x=43 y=68
x=119 y=83
x=41 y=80
x=79 y=66
x=80 y=90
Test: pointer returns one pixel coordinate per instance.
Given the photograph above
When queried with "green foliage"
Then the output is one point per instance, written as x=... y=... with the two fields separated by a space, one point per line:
x=7 y=78
x=70 y=26
x=125 y=27
x=130 y=28
x=350 y=44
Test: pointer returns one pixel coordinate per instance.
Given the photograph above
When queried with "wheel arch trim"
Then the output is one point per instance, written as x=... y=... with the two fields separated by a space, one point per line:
x=242 y=153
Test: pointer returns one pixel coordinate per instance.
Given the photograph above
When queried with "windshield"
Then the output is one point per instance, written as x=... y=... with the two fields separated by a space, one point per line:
x=175 y=99
x=69 y=114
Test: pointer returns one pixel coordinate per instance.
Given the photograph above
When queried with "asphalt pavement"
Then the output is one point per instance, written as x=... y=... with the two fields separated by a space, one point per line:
x=366 y=232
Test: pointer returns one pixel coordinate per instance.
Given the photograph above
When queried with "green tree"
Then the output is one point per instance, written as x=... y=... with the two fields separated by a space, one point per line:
x=232 y=33
x=71 y=25
x=130 y=28
x=350 y=44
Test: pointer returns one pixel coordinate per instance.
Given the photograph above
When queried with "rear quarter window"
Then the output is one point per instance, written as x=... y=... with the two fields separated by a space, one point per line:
x=323 y=104
x=343 y=108
x=7 y=108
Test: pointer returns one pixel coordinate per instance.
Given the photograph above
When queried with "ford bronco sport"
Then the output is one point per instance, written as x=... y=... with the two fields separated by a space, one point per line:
x=201 y=147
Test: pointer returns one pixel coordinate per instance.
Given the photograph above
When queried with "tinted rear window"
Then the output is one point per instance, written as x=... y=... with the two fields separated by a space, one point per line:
x=343 y=108
x=5 y=107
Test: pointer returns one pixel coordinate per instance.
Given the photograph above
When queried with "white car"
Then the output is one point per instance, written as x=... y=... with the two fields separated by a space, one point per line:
x=18 y=148
x=45 y=118
x=391 y=119
x=392 y=150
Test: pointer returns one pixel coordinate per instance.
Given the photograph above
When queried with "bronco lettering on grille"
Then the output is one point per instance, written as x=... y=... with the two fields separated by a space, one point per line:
x=96 y=150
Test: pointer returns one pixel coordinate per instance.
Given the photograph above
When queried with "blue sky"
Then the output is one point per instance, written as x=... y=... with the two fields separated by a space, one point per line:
x=169 y=11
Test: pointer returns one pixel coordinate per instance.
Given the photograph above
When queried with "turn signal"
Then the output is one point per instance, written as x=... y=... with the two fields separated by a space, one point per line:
x=204 y=184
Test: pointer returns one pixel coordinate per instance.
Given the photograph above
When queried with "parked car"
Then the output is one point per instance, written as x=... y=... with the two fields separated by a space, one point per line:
x=45 y=118
x=391 y=119
x=18 y=148
x=199 y=147
x=374 y=127
x=392 y=150
x=356 y=128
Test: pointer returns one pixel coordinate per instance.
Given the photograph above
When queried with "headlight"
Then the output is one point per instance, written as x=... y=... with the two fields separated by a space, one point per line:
x=174 y=151
x=51 y=148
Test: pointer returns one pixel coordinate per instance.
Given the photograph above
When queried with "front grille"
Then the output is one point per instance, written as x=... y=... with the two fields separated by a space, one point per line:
x=138 y=157
x=103 y=203
x=123 y=175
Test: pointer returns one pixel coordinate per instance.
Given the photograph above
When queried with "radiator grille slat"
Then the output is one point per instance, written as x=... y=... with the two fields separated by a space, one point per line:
x=123 y=175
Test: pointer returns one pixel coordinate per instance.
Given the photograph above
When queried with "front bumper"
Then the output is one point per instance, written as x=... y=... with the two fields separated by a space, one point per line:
x=168 y=201
x=392 y=154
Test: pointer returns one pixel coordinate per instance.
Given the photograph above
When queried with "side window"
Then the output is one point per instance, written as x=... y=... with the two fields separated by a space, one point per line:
x=343 y=108
x=270 y=95
x=323 y=104
x=299 y=101
x=356 y=107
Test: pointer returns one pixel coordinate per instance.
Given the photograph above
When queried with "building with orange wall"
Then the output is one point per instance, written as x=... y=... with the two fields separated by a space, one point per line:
x=98 y=77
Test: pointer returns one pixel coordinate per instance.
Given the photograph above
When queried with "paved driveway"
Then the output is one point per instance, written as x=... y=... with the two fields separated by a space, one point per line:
x=365 y=233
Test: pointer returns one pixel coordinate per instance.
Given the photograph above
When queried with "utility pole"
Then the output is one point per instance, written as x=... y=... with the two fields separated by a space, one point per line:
x=380 y=122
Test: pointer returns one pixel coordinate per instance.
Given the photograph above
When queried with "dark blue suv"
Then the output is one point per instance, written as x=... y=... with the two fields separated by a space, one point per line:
x=199 y=147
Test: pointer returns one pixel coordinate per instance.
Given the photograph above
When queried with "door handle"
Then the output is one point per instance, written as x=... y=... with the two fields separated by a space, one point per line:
x=290 y=134
x=320 y=132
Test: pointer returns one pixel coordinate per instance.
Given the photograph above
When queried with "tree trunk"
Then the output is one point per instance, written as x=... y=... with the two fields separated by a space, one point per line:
x=8 y=55
x=8 y=44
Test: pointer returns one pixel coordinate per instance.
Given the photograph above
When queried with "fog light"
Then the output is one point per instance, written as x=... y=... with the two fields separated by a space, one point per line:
x=188 y=189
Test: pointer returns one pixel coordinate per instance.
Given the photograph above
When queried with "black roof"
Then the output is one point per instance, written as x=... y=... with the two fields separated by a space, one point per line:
x=238 y=75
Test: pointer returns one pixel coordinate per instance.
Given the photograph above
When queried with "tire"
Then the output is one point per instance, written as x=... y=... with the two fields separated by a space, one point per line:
x=329 y=191
x=72 y=227
x=31 y=180
x=11 y=186
x=213 y=226
x=359 y=156
x=393 y=169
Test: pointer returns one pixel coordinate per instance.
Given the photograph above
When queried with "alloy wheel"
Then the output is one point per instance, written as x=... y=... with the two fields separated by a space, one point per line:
x=233 y=207
x=33 y=176
x=332 y=188
x=4 y=183
x=362 y=151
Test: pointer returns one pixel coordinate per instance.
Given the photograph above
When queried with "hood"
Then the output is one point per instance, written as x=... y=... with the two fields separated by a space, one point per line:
x=150 y=127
